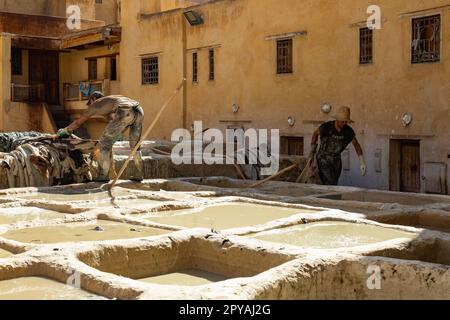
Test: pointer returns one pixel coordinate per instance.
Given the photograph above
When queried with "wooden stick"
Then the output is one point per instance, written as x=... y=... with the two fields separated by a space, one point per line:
x=240 y=173
x=274 y=176
x=160 y=152
x=307 y=167
x=136 y=148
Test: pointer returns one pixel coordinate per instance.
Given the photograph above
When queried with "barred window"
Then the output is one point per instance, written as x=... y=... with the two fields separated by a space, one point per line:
x=284 y=56
x=195 y=67
x=426 y=39
x=92 y=65
x=365 y=46
x=150 y=70
x=212 y=66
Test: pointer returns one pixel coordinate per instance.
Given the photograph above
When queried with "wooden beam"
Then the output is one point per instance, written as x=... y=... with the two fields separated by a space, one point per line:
x=214 y=46
x=287 y=35
x=145 y=55
x=35 y=43
x=82 y=40
x=103 y=56
x=363 y=23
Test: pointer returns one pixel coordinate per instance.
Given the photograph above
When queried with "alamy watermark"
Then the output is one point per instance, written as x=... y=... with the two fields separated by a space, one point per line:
x=374 y=21
x=73 y=13
x=74 y=279
x=207 y=147
x=374 y=280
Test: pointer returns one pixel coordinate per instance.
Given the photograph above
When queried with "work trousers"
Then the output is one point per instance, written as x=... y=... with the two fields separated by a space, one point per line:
x=330 y=168
x=124 y=118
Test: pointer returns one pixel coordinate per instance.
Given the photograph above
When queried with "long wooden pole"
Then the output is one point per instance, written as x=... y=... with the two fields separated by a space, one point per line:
x=301 y=177
x=274 y=176
x=136 y=148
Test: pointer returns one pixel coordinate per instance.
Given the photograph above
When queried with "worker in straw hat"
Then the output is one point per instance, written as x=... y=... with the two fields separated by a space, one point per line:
x=335 y=136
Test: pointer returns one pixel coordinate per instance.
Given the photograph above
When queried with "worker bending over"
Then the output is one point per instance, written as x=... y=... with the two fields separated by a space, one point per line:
x=124 y=113
x=335 y=136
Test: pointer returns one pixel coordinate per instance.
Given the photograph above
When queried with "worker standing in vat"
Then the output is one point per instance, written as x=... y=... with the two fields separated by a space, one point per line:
x=335 y=136
x=124 y=113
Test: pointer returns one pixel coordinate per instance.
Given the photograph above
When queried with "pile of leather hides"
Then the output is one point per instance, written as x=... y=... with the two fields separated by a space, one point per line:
x=32 y=159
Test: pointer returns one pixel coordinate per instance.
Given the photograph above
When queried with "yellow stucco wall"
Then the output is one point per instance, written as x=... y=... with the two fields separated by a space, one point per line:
x=155 y=6
x=160 y=36
x=326 y=69
x=107 y=11
x=28 y=117
x=87 y=8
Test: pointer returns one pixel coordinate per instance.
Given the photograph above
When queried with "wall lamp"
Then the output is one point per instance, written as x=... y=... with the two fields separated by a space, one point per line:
x=407 y=119
x=193 y=17
x=326 y=108
x=291 y=121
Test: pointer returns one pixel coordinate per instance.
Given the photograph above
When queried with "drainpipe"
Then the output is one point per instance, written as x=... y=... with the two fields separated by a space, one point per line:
x=184 y=40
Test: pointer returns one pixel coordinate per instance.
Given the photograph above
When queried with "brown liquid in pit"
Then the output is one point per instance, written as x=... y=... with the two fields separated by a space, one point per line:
x=18 y=214
x=35 y=288
x=75 y=232
x=186 y=278
x=5 y=254
x=329 y=235
x=225 y=216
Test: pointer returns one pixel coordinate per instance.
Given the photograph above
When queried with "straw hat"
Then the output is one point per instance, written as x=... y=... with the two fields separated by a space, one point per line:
x=343 y=115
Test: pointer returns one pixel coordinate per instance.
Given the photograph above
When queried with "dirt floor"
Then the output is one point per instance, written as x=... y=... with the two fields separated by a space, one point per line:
x=214 y=238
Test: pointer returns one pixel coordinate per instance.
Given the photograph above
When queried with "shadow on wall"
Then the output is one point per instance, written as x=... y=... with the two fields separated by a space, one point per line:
x=20 y=116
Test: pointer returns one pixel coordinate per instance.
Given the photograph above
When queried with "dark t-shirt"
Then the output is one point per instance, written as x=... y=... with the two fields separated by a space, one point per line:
x=333 y=142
